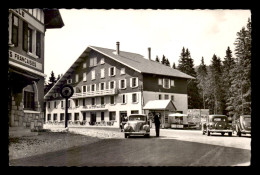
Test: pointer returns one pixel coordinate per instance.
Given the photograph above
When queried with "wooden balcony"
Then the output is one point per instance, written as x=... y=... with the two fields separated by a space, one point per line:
x=95 y=93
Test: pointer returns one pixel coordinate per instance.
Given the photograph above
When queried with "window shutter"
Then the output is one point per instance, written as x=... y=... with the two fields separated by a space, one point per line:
x=136 y=82
x=109 y=71
x=125 y=98
x=137 y=97
x=15 y=26
x=131 y=80
x=25 y=36
x=38 y=44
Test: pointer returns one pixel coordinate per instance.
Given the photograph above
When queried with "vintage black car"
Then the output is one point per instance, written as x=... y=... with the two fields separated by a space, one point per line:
x=216 y=124
x=137 y=124
x=242 y=125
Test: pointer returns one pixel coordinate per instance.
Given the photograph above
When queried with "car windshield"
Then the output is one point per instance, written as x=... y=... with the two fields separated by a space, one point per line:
x=218 y=119
x=137 y=117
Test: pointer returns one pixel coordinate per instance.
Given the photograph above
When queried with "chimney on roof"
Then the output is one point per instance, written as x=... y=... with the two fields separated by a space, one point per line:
x=149 y=53
x=117 y=48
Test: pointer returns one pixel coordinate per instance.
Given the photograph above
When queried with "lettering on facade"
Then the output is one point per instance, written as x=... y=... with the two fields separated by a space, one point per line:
x=15 y=56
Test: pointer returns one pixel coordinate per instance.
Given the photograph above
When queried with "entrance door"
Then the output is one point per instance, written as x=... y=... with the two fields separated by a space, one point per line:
x=93 y=117
x=123 y=114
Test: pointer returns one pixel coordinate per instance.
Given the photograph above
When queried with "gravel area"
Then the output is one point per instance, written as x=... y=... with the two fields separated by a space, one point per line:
x=57 y=139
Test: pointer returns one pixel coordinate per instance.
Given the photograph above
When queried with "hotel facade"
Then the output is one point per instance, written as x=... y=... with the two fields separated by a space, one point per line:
x=110 y=84
x=27 y=29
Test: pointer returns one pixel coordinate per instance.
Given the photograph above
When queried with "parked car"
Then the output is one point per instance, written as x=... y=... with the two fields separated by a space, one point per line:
x=242 y=125
x=216 y=124
x=137 y=124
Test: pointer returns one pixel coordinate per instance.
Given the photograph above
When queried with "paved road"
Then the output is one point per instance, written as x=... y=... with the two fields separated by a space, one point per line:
x=172 y=148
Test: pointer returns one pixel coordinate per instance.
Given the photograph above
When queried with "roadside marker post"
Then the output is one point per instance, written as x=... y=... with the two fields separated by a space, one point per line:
x=66 y=92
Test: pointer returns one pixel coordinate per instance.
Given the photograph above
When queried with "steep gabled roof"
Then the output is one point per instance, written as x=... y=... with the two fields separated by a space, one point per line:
x=141 y=64
x=134 y=61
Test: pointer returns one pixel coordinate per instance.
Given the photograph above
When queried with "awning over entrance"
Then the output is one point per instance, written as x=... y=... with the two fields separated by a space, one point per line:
x=160 y=105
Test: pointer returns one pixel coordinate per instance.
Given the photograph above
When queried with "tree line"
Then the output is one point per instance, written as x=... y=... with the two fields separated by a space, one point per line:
x=223 y=87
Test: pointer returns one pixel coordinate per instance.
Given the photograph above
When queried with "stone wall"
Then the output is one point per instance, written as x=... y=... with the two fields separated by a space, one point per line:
x=32 y=120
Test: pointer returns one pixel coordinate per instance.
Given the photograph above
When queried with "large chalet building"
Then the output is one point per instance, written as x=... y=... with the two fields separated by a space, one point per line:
x=110 y=84
x=27 y=29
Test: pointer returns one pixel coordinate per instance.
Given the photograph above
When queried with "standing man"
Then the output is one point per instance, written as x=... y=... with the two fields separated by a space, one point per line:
x=157 y=124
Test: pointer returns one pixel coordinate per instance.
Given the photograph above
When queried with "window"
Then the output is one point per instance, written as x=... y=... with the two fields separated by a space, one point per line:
x=122 y=84
x=55 y=117
x=159 y=81
x=38 y=44
x=93 y=87
x=69 y=116
x=102 y=73
x=122 y=72
x=102 y=61
x=166 y=96
x=93 y=101
x=15 y=25
x=134 y=112
x=160 y=96
x=84 y=76
x=83 y=102
x=84 y=89
x=76 y=78
x=134 y=98
x=112 y=71
x=166 y=83
x=102 y=86
x=124 y=98
x=62 y=104
x=112 y=99
x=102 y=116
x=112 y=115
x=112 y=85
x=30 y=39
x=68 y=103
x=28 y=100
x=134 y=82
x=102 y=100
x=172 y=97
x=69 y=81
x=93 y=62
x=49 y=117
x=76 y=102
x=93 y=72
x=61 y=116
x=84 y=116
x=49 y=104
x=76 y=116
x=172 y=82
x=84 y=65
x=55 y=104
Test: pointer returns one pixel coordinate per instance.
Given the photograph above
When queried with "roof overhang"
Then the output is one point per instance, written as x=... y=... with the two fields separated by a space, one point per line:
x=52 y=19
x=160 y=105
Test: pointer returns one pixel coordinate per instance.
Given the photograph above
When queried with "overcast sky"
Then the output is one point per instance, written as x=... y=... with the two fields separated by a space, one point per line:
x=203 y=32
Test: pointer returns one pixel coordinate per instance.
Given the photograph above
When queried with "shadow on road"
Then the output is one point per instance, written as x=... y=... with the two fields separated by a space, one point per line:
x=139 y=151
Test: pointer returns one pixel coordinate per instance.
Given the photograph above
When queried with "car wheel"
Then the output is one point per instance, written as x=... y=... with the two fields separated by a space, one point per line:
x=147 y=135
x=238 y=133
x=222 y=133
x=126 y=135
x=230 y=134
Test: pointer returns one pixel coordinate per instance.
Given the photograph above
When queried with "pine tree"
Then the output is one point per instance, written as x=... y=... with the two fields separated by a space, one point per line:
x=167 y=62
x=173 y=66
x=186 y=65
x=163 y=60
x=215 y=90
x=240 y=100
x=50 y=83
x=157 y=59
x=202 y=80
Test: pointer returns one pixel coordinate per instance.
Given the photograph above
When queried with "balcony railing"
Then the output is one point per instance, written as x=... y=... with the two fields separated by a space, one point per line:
x=95 y=93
